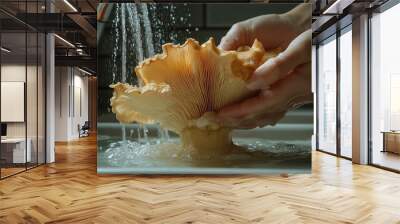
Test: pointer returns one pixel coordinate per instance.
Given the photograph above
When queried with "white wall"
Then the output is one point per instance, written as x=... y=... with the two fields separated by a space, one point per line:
x=70 y=83
x=61 y=103
x=33 y=126
x=81 y=83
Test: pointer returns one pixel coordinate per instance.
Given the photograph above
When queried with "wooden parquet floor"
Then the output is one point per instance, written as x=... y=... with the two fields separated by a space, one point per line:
x=70 y=191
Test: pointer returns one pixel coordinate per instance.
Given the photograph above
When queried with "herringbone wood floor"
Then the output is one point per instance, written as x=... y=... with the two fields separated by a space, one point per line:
x=70 y=191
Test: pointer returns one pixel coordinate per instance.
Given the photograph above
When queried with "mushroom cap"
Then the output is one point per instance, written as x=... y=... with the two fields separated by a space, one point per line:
x=186 y=82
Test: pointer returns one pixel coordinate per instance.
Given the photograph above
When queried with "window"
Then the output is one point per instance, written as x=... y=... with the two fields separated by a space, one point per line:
x=385 y=89
x=346 y=92
x=327 y=95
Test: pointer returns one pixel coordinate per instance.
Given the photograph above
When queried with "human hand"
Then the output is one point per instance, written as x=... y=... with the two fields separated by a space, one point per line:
x=275 y=30
x=272 y=31
x=283 y=83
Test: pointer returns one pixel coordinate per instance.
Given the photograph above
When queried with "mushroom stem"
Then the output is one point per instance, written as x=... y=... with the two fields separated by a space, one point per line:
x=206 y=141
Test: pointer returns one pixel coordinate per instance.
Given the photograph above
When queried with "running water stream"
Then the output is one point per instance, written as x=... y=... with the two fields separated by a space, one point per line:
x=134 y=34
x=123 y=61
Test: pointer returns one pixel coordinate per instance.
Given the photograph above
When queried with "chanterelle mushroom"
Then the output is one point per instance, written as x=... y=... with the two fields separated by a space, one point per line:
x=185 y=85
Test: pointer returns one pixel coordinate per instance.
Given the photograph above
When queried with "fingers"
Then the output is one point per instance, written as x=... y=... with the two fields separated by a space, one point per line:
x=296 y=84
x=298 y=52
x=244 y=108
x=295 y=89
x=238 y=35
x=283 y=81
x=265 y=102
x=259 y=121
x=250 y=110
x=272 y=30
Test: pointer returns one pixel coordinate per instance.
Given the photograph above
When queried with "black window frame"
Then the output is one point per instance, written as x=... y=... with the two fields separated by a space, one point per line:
x=333 y=33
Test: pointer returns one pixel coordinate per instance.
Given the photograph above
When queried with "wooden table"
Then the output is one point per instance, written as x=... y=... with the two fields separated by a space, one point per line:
x=391 y=141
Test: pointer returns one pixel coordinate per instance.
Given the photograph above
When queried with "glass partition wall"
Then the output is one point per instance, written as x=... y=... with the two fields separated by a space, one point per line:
x=22 y=78
x=334 y=94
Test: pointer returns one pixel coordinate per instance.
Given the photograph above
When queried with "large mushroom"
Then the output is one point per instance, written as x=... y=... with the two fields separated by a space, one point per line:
x=184 y=86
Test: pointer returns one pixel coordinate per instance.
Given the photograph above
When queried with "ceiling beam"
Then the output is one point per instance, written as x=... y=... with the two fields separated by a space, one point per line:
x=80 y=20
x=81 y=61
x=86 y=27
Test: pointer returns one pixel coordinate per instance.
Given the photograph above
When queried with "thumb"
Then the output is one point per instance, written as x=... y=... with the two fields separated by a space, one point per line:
x=298 y=52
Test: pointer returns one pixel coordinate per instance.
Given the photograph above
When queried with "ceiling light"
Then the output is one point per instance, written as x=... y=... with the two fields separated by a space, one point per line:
x=332 y=8
x=84 y=71
x=70 y=5
x=337 y=7
x=5 y=50
x=65 y=41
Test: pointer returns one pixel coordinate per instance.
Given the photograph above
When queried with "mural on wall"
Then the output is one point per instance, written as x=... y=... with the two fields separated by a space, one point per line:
x=172 y=93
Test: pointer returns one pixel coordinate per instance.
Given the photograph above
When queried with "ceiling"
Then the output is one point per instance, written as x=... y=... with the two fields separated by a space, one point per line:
x=72 y=20
x=332 y=15
x=75 y=21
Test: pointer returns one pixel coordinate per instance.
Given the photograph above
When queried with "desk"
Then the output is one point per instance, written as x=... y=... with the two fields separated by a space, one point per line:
x=16 y=147
x=391 y=141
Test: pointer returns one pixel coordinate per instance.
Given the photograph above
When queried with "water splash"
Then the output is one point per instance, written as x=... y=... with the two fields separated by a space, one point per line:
x=148 y=37
x=139 y=32
x=255 y=153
